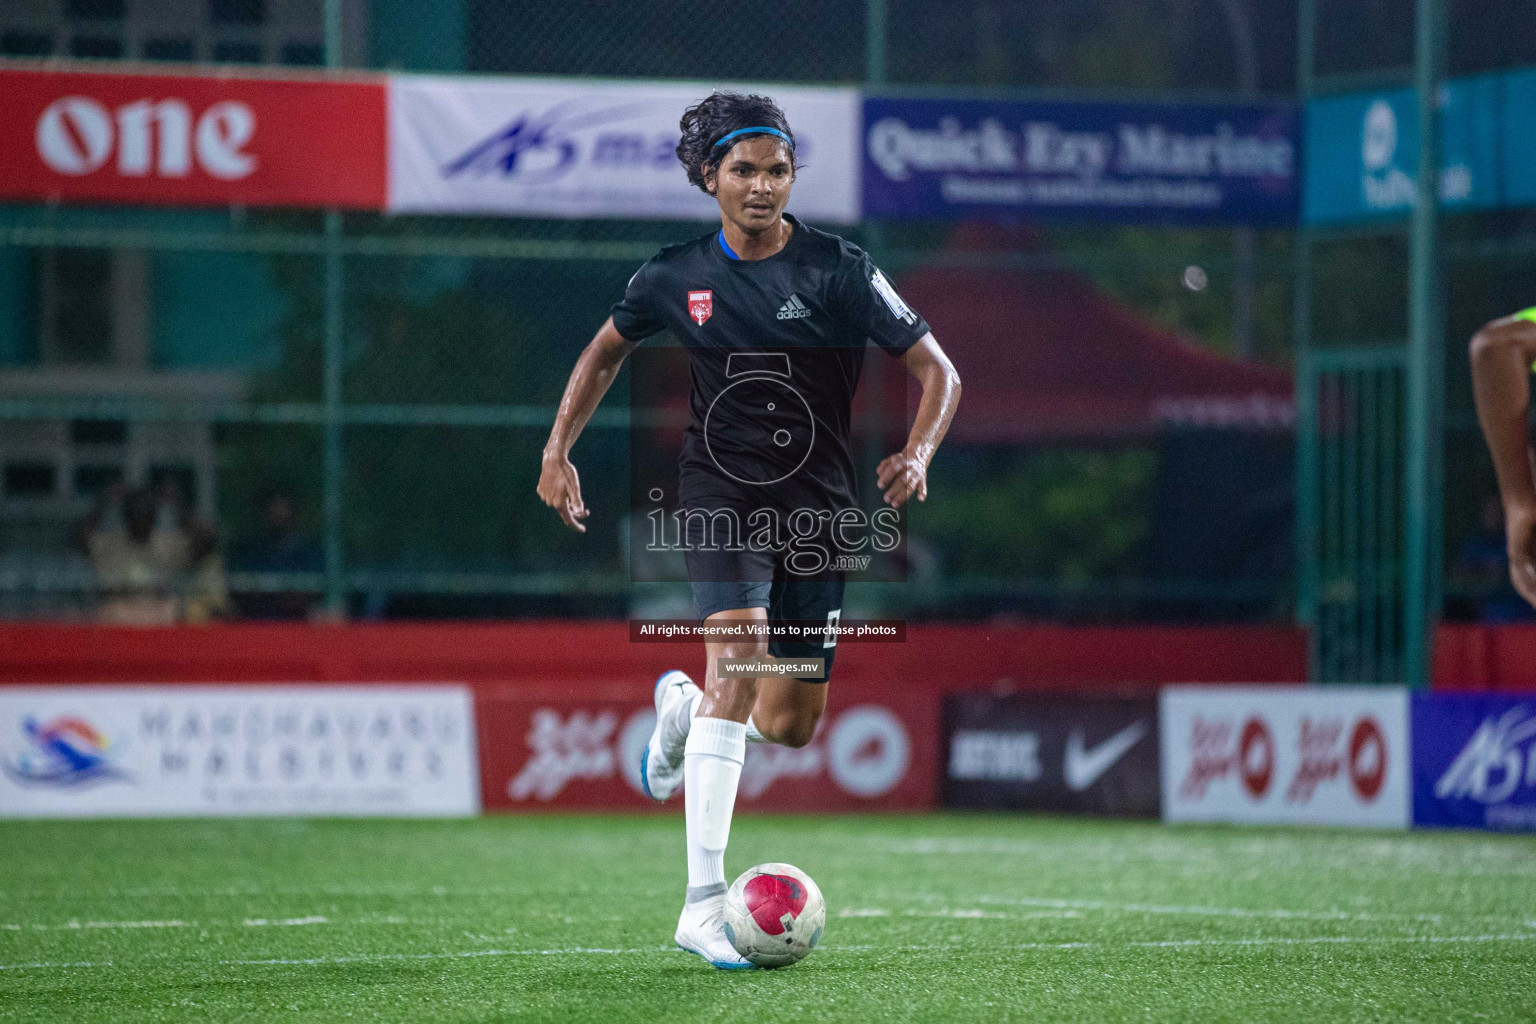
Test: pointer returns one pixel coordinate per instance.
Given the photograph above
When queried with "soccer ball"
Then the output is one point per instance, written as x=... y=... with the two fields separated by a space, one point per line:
x=774 y=914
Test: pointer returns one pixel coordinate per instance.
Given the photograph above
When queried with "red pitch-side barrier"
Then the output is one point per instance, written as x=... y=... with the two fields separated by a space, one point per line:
x=1469 y=656
x=563 y=709
x=596 y=658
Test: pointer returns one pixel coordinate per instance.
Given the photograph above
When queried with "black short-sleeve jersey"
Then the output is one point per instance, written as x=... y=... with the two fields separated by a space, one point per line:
x=776 y=346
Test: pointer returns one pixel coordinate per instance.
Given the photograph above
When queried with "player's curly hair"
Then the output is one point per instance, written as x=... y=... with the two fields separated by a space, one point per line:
x=713 y=118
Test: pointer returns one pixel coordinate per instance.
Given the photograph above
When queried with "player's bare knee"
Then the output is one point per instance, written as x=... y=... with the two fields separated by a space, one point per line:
x=731 y=696
x=742 y=650
x=798 y=728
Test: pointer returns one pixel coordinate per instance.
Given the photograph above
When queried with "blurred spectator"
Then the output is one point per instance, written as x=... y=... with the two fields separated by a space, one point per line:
x=279 y=547
x=1481 y=569
x=155 y=564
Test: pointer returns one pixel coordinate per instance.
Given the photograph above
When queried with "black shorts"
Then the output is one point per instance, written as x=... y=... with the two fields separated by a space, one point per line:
x=723 y=580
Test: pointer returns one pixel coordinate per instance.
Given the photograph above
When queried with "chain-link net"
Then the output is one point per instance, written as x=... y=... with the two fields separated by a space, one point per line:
x=187 y=349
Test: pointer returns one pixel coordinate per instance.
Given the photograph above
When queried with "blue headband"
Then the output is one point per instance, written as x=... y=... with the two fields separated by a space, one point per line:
x=764 y=129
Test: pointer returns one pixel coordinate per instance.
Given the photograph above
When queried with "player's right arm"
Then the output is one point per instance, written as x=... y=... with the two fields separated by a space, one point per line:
x=559 y=485
x=1502 y=355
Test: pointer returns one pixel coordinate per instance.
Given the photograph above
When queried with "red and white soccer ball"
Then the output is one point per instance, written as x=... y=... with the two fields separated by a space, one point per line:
x=774 y=915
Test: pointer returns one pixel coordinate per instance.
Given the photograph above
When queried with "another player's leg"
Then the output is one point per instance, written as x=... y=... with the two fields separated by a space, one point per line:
x=713 y=754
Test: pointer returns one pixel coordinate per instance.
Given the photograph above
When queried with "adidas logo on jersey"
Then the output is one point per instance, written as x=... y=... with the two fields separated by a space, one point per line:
x=794 y=309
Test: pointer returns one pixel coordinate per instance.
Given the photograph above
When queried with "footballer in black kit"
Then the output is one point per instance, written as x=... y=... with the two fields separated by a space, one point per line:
x=775 y=316
x=776 y=346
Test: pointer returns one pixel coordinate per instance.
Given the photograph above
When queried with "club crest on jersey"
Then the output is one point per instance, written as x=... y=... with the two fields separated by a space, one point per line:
x=700 y=306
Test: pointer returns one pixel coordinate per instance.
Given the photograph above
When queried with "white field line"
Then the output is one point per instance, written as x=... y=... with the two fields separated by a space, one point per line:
x=1183 y=910
x=71 y=926
x=342 y=891
x=933 y=948
x=1319 y=853
x=962 y=914
x=1194 y=943
x=250 y=922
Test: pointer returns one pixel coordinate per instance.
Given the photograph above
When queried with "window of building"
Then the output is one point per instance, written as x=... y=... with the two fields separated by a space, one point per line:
x=237 y=53
x=98 y=431
x=237 y=12
x=76 y=324
x=104 y=47
x=91 y=479
x=232 y=31
x=30 y=479
x=306 y=54
x=21 y=43
x=95 y=10
x=170 y=49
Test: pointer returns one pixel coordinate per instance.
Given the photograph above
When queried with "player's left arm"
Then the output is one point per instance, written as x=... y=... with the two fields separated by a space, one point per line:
x=905 y=474
x=1502 y=354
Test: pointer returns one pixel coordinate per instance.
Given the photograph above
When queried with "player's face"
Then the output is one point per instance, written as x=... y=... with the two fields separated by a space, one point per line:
x=752 y=183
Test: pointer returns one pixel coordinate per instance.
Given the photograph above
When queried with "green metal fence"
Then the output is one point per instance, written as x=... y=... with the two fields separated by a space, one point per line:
x=1392 y=475
x=398 y=375
x=1353 y=474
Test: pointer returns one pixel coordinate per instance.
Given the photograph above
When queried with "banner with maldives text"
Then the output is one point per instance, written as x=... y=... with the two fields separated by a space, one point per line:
x=185 y=751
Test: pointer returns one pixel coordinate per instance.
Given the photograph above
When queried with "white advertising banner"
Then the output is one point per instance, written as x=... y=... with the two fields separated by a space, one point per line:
x=1286 y=755
x=154 y=751
x=550 y=148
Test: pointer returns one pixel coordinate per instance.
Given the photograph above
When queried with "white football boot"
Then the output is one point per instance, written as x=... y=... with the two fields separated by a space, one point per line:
x=701 y=931
x=661 y=763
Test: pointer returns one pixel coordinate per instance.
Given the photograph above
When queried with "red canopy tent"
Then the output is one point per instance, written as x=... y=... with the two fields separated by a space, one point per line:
x=1046 y=355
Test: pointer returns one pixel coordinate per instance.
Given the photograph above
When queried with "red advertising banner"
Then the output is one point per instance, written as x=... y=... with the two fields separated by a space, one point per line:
x=871 y=751
x=192 y=140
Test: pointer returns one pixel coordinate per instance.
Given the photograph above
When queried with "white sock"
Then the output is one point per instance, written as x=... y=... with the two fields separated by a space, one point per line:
x=711 y=771
x=753 y=736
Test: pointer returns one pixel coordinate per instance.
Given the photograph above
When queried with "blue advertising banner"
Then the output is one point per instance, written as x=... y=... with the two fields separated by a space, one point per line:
x=1362 y=151
x=1474 y=761
x=1520 y=138
x=952 y=158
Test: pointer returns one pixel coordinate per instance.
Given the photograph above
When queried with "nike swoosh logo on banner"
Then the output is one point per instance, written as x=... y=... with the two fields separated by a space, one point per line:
x=1084 y=766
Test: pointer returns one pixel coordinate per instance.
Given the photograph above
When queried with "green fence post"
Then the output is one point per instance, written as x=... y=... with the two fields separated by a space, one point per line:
x=333 y=472
x=1426 y=364
x=1306 y=378
x=874 y=41
x=874 y=242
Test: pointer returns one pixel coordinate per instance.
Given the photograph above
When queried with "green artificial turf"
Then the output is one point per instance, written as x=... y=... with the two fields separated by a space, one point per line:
x=930 y=918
